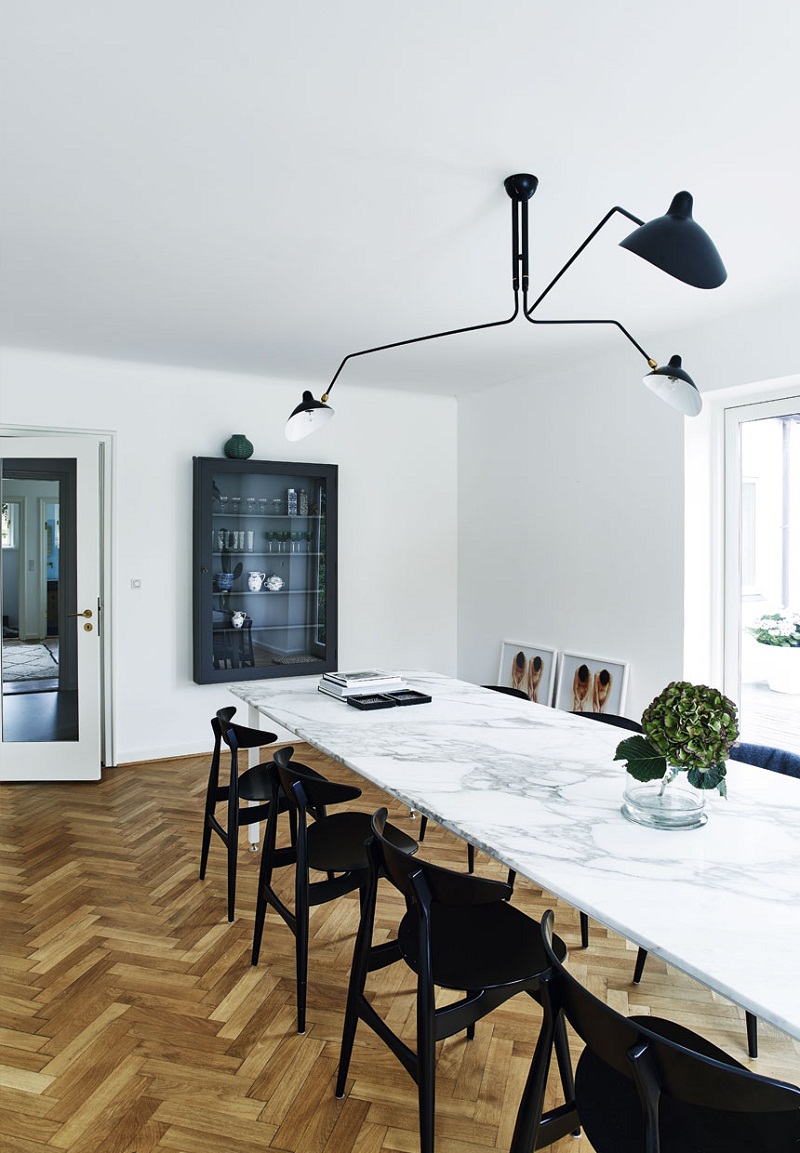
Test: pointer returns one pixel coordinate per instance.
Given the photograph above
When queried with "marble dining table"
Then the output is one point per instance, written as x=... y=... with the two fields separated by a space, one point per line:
x=539 y=790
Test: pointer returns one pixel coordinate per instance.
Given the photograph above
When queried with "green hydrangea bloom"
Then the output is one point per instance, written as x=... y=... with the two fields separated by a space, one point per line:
x=692 y=726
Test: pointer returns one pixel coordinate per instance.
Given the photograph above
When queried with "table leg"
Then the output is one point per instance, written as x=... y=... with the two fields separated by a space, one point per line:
x=253 y=758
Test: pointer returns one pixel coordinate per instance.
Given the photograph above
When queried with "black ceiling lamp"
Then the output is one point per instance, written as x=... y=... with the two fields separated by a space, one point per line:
x=675 y=243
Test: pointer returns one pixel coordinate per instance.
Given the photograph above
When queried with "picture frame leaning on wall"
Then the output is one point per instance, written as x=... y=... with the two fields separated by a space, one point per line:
x=529 y=668
x=591 y=684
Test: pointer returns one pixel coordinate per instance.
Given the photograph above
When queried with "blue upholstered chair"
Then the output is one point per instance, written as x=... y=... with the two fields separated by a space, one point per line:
x=765 y=757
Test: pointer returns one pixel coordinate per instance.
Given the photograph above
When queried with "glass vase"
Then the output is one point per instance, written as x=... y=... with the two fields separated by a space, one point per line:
x=668 y=803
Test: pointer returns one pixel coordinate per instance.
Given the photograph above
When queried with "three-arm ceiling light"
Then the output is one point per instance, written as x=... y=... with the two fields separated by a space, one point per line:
x=674 y=243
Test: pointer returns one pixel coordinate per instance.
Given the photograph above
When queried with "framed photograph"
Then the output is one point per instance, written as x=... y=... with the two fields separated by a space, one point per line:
x=591 y=684
x=530 y=668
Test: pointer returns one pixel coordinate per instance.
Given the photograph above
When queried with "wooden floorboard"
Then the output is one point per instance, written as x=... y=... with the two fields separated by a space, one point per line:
x=133 y=1022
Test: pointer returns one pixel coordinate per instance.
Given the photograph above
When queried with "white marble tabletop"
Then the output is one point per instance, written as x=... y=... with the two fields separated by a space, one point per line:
x=540 y=791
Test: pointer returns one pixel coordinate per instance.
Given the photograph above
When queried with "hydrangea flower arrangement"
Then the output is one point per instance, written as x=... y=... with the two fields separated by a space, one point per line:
x=781 y=629
x=687 y=727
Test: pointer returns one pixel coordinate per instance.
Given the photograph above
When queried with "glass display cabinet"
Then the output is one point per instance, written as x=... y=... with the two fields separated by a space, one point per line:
x=264 y=569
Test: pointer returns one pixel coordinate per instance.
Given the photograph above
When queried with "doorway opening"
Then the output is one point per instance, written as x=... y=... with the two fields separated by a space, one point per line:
x=39 y=654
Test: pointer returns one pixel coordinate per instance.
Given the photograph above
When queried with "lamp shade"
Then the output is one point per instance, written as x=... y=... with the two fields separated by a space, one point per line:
x=676 y=244
x=675 y=387
x=309 y=415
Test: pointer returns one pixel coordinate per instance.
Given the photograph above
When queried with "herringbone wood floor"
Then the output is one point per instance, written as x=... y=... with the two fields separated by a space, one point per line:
x=133 y=1020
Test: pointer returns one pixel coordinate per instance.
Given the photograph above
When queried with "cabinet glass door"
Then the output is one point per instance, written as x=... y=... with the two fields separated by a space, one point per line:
x=265 y=569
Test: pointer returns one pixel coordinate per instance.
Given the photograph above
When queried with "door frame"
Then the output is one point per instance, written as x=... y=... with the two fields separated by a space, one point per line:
x=106 y=441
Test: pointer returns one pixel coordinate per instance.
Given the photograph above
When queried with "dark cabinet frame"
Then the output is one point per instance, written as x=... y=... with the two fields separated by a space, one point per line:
x=225 y=540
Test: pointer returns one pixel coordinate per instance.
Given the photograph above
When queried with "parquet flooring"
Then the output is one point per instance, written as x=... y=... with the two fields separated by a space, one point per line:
x=133 y=1022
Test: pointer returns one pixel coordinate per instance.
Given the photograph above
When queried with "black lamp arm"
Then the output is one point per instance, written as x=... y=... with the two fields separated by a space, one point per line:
x=577 y=253
x=534 y=320
x=418 y=339
x=623 y=330
x=516 y=258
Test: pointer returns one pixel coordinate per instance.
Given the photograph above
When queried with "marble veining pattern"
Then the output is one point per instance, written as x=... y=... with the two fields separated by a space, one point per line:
x=539 y=790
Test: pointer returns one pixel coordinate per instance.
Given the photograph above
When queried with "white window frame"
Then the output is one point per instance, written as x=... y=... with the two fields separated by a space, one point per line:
x=710 y=522
x=735 y=416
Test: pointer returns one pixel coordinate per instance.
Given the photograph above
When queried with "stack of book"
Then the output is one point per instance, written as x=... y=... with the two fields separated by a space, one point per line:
x=344 y=685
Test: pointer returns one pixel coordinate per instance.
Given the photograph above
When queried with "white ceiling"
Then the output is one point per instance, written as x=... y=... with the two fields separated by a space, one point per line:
x=264 y=187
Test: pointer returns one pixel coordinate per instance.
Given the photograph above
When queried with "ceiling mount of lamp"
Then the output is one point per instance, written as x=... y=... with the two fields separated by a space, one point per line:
x=675 y=243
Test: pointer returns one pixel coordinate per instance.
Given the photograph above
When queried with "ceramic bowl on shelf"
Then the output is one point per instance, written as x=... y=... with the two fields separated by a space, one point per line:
x=223 y=581
x=273 y=584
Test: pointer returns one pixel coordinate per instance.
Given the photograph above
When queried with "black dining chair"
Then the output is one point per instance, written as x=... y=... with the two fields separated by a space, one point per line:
x=329 y=843
x=776 y=761
x=459 y=933
x=508 y=690
x=612 y=719
x=253 y=785
x=647 y=1085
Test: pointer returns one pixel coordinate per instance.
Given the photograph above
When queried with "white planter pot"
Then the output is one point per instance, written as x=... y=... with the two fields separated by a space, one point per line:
x=781 y=668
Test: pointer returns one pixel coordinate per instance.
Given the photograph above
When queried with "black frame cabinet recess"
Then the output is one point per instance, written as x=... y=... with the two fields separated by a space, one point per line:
x=265 y=569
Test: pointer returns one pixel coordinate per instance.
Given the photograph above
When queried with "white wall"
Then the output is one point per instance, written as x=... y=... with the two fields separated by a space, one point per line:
x=572 y=502
x=570 y=498
x=397 y=521
x=570 y=528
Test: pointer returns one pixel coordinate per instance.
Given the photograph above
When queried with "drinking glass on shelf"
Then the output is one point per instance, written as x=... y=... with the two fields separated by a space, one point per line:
x=236 y=505
x=296 y=536
x=285 y=539
x=308 y=536
x=224 y=504
x=263 y=505
x=250 y=505
x=270 y=540
x=277 y=506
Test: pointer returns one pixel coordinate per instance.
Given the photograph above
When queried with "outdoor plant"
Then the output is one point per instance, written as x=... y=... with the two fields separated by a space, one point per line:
x=687 y=728
x=781 y=629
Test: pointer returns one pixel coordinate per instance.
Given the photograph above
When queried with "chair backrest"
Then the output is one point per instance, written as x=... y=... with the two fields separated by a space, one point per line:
x=444 y=885
x=306 y=789
x=613 y=719
x=240 y=736
x=766 y=757
x=507 y=689
x=672 y=1069
x=220 y=721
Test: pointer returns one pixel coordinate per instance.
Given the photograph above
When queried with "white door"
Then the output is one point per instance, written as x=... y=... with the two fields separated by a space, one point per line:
x=50 y=720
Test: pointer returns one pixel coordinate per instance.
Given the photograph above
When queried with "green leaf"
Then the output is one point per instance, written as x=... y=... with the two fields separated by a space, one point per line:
x=644 y=763
x=710 y=778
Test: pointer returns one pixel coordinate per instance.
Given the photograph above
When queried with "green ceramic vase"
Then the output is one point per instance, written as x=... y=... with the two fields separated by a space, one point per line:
x=238 y=447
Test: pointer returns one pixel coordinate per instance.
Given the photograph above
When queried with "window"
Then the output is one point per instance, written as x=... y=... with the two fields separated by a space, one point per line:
x=762 y=562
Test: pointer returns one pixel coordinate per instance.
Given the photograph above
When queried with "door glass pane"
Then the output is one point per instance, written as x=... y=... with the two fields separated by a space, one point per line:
x=770 y=581
x=39 y=649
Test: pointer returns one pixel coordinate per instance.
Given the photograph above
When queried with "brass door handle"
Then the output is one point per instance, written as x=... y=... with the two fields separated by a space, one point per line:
x=85 y=613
